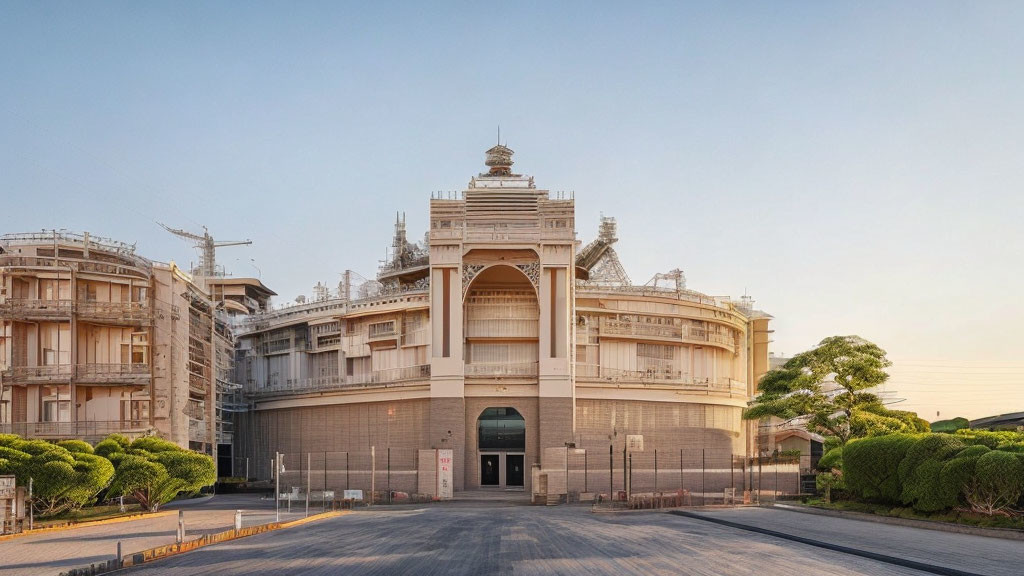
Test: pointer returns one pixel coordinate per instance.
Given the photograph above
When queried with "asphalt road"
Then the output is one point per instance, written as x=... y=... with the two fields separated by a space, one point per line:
x=502 y=539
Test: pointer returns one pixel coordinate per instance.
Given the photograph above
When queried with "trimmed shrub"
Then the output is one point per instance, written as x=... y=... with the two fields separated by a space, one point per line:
x=972 y=451
x=107 y=447
x=870 y=466
x=152 y=444
x=194 y=469
x=919 y=471
x=992 y=439
x=956 y=479
x=833 y=459
x=79 y=446
x=999 y=483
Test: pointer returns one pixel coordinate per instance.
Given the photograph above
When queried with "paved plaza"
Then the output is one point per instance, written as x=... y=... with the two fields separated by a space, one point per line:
x=56 y=551
x=476 y=536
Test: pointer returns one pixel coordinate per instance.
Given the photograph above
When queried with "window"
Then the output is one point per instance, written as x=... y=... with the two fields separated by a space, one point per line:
x=501 y=429
x=140 y=348
x=658 y=351
x=56 y=410
x=135 y=411
x=140 y=293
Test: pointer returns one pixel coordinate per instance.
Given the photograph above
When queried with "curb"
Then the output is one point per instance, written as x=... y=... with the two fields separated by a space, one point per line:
x=160 y=552
x=88 y=523
x=894 y=560
x=1004 y=533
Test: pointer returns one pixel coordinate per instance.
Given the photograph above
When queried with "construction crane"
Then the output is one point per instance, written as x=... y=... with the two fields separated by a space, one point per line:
x=208 y=258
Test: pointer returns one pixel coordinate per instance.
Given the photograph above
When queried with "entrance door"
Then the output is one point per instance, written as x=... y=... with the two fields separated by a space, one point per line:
x=489 y=464
x=513 y=470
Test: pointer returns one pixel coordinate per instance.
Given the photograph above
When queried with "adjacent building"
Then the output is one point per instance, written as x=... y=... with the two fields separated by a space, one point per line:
x=95 y=339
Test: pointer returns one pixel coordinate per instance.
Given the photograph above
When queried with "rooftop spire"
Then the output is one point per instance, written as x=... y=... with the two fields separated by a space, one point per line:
x=499 y=159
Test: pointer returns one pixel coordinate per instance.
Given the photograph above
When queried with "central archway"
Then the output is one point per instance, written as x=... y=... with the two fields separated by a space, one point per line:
x=501 y=445
x=502 y=317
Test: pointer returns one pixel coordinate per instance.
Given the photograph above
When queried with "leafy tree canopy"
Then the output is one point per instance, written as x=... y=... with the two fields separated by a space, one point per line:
x=155 y=471
x=831 y=387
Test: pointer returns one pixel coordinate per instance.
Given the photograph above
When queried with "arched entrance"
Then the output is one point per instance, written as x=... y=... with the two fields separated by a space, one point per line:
x=501 y=445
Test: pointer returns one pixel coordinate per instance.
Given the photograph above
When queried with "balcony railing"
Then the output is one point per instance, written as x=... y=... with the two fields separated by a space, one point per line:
x=337 y=382
x=139 y=268
x=28 y=374
x=611 y=327
x=299 y=385
x=660 y=377
x=390 y=375
x=84 y=373
x=114 y=312
x=82 y=428
x=104 y=312
x=115 y=373
x=35 y=309
x=502 y=370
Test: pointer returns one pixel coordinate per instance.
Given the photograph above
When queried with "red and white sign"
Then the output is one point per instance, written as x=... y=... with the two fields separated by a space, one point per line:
x=445 y=464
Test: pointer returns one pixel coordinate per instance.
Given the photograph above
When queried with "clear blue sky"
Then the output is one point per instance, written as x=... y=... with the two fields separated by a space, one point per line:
x=856 y=167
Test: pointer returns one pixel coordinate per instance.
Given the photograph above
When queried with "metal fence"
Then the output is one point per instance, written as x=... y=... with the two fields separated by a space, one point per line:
x=389 y=474
x=692 y=477
x=696 y=477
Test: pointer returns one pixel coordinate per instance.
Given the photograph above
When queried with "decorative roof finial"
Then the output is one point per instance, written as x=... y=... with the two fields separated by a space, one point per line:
x=499 y=158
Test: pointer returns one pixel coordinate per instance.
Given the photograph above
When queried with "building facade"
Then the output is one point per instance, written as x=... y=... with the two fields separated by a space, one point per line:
x=501 y=338
x=95 y=339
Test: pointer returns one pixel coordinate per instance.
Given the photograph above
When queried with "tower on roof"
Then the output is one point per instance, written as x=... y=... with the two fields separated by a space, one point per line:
x=499 y=159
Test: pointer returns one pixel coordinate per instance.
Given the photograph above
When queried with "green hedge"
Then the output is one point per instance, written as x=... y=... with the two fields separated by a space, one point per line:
x=931 y=472
x=870 y=466
x=920 y=468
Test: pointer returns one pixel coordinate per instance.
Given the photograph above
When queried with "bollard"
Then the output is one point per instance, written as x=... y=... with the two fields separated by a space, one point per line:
x=181 y=526
x=117 y=561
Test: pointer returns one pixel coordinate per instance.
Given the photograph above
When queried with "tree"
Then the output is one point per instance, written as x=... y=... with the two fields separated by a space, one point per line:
x=155 y=471
x=830 y=386
x=62 y=480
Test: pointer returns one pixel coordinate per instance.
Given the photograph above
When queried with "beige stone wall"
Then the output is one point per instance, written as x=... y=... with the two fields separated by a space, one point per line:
x=665 y=426
x=402 y=425
x=555 y=423
x=448 y=430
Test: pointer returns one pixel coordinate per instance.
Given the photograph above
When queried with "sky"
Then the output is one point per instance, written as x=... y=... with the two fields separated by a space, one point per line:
x=854 y=167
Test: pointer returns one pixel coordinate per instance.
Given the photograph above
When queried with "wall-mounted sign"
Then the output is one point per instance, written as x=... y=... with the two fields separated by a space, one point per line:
x=353 y=494
x=635 y=442
x=7 y=487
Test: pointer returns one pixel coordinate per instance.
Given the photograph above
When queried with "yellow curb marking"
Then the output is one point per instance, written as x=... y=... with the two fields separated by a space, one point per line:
x=226 y=536
x=89 y=523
